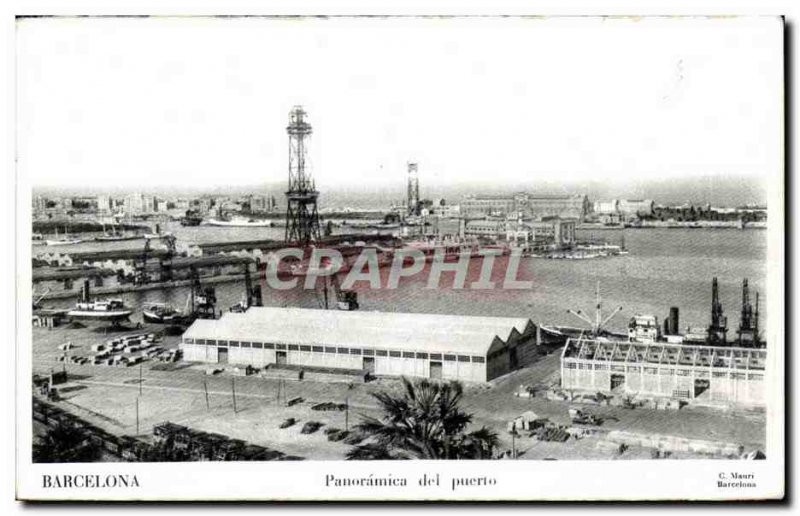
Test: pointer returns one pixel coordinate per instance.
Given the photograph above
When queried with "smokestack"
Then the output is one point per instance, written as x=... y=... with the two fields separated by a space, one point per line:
x=674 y=321
x=85 y=292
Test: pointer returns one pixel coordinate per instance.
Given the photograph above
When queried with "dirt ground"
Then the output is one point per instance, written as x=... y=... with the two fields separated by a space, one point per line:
x=108 y=396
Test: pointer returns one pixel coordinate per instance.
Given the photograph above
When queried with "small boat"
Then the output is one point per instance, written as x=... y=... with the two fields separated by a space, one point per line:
x=105 y=310
x=117 y=238
x=240 y=223
x=112 y=310
x=160 y=313
x=63 y=240
x=114 y=235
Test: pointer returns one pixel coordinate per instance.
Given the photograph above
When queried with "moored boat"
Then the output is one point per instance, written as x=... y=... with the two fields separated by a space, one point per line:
x=105 y=310
x=161 y=313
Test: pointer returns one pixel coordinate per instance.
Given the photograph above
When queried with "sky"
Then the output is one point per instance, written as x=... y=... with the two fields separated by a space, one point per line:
x=204 y=102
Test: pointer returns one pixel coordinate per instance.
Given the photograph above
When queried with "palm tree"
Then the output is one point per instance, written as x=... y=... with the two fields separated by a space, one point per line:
x=65 y=442
x=424 y=423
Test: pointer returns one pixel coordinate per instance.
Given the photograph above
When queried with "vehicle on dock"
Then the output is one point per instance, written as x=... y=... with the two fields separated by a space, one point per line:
x=578 y=417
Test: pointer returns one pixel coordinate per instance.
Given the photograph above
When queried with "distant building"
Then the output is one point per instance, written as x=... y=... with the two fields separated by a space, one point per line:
x=39 y=204
x=139 y=203
x=487 y=206
x=259 y=203
x=637 y=208
x=440 y=208
x=551 y=231
x=440 y=347
x=527 y=206
x=105 y=204
x=606 y=207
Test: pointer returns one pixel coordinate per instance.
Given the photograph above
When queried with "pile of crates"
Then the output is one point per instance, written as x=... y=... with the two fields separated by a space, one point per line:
x=131 y=350
x=206 y=446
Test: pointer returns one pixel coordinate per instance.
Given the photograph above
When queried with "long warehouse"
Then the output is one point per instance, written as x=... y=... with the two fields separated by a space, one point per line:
x=447 y=347
x=698 y=373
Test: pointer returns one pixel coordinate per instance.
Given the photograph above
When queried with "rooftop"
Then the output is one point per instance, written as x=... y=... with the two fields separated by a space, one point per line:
x=373 y=330
x=666 y=354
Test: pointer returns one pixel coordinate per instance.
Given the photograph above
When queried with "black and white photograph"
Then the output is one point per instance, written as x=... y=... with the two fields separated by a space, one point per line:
x=341 y=253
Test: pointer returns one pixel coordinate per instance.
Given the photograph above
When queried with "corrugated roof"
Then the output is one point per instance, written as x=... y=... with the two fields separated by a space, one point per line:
x=375 y=330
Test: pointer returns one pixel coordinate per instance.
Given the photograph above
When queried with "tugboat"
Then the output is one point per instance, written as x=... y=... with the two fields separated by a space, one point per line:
x=191 y=218
x=109 y=310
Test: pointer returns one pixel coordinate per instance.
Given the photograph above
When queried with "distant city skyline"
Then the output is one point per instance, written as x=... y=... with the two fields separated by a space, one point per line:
x=160 y=102
x=717 y=191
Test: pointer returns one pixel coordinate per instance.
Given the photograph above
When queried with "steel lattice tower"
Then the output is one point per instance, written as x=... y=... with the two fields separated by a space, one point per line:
x=302 y=218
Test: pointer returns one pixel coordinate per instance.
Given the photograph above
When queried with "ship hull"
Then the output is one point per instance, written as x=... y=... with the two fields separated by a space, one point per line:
x=62 y=242
x=233 y=223
x=111 y=315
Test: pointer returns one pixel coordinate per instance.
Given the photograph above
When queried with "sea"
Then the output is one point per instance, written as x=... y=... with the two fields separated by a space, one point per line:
x=664 y=268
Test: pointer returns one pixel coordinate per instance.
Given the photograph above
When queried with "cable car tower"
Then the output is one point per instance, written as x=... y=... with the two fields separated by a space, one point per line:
x=302 y=218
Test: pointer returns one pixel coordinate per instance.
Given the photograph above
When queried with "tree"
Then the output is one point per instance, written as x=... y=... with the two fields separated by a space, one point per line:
x=65 y=442
x=425 y=422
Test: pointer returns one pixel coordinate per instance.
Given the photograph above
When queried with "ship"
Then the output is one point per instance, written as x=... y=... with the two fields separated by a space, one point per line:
x=161 y=313
x=65 y=239
x=191 y=218
x=240 y=222
x=116 y=236
x=104 y=310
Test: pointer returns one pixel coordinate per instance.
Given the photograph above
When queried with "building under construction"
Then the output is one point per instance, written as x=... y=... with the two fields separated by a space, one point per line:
x=691 y=373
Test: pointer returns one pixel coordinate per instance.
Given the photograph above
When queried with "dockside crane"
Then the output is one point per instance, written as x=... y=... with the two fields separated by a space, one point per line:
x=252 y=294
x=165 y=261
x=203 y=299
x=748 y=322
x=140 y=276
x=345 y=299
x=718 y=330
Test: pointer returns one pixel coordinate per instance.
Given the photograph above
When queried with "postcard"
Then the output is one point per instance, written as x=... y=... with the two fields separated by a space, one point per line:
x=268 y=258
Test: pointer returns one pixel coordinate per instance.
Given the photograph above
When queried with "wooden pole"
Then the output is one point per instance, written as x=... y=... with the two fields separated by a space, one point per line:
x=205 y=388
x=137 y=416
x=140 y=379
x=346 y=414
x=514 y=444
x=233 y=392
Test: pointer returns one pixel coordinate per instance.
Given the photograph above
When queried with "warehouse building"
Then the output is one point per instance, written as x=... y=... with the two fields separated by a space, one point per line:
x=698 y=373
x=446 y=347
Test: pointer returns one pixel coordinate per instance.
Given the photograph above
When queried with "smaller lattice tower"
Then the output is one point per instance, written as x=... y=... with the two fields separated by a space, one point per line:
x=412 y=196
x=302 y=218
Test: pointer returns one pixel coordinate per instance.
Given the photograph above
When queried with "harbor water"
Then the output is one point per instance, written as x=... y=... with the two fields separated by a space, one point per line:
x=665 y=267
